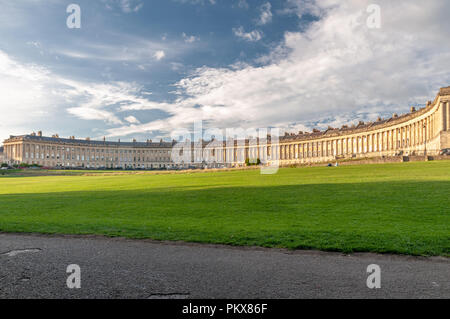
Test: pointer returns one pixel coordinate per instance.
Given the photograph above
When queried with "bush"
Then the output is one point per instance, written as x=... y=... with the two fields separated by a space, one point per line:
x=253 y=162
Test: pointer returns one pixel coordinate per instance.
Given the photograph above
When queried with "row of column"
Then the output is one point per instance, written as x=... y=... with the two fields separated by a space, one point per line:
x=13 y=152
x=406 y=137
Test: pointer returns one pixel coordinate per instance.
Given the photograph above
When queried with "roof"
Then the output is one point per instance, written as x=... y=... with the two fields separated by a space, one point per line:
x=88 y=142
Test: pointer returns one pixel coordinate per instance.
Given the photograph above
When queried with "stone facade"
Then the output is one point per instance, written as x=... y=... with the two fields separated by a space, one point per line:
x=421 y=132
x=58 y=152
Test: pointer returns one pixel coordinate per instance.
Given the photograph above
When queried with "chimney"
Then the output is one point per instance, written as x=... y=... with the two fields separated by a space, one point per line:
x=88 y=138
x=379 y=119
x=104 y=139
x=413 y=109
x=134 y=140
x=40 y=133
x=395 y=115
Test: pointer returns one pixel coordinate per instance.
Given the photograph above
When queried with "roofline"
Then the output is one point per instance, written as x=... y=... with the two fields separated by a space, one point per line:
x=71 y=141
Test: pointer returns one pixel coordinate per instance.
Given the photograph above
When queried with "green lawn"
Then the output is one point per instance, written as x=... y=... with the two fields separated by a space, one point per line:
x=395 y=208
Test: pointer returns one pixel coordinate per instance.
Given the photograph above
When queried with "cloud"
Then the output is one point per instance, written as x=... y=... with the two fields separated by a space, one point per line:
x=197 y=2
x=266 y=14
x=126 y=48
x=159 y=55
x=98 y=101
x=32 y=94
x=335 y=70
x=23 y=95
x=87 y=113
x=176 y=66
x=126 y=6
x=243 y=4
x=189 y=38
x=131 y=119
x=251 y=36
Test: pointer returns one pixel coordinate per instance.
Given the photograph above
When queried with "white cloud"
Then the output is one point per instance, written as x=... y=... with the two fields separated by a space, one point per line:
x=25 y=94
x=176 y=66
x=266 y=14
x=189 y=38
x=131 y=119
x=251 y=36
x=159 y=55
x=127 y=6
x=130 y=49
x=31 y=94
x=335 y=71
x=243 y=4
x=202 y=2
x=98 y=101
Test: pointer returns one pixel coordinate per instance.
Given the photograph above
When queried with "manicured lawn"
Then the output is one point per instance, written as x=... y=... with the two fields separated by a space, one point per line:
x=396 y=208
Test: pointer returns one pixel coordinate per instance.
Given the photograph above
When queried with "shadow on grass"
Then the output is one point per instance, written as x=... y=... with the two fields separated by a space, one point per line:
x=386 y=217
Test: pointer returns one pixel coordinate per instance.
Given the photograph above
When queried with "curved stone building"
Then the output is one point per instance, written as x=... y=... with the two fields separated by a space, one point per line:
x=420 y=132
x=59 y=152
x=424 y=131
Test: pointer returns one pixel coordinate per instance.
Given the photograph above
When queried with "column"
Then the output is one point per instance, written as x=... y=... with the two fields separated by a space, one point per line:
x=448 y=115
x=396 y=137
x=443 y=107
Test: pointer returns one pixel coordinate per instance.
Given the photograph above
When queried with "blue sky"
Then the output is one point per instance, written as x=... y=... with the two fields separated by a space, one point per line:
x=141 y=69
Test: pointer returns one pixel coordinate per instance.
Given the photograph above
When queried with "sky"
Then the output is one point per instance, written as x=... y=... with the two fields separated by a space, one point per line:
x=146 y=68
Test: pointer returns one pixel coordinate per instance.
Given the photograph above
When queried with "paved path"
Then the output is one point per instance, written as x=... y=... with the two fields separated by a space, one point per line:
x=33 y=266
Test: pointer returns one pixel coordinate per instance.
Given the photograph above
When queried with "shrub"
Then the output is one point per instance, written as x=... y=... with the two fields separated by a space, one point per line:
x=252 y=162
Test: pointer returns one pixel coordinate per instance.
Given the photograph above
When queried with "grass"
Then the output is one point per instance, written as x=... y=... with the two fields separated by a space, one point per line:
x=390 y=208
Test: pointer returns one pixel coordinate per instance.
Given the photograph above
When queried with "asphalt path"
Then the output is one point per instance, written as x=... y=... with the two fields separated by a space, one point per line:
x=35 y=266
